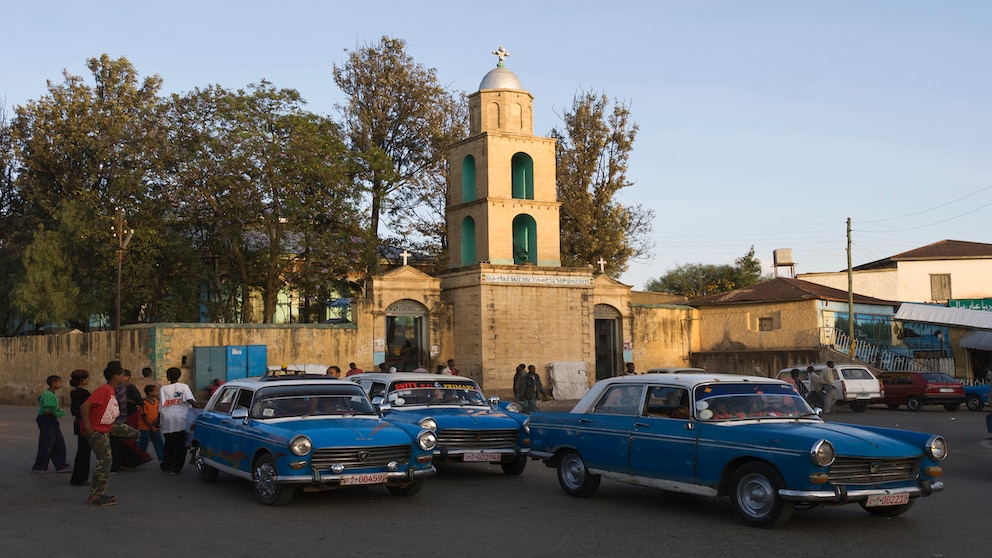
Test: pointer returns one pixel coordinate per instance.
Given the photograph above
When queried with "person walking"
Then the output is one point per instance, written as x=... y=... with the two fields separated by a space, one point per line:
x=520 y=372
x=79 y=379
x=175 y=400
x=532 y=388
x=827 y=378
x=51 y=444
x=99 y=424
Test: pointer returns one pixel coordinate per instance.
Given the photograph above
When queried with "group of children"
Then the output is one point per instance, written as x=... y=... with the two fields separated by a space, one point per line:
x=104 y=426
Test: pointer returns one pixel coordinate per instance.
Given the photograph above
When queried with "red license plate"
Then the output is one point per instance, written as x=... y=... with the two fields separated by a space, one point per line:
x=879 y=500
x=482 y=457
x=369 y=478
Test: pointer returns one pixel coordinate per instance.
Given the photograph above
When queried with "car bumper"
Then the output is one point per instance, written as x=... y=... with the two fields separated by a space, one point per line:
x=329 y=478
x=505 y=455
x=842 y=495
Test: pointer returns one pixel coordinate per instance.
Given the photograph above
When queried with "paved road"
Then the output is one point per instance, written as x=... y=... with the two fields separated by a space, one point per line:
x=475 y=511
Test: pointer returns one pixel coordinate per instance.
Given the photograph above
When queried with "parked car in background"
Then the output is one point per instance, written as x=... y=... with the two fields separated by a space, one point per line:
x=306 y=432
x=916 y=389
x=675 y=370
x=855 y=385
x=469 y=428
x=750 y=438
x=976 y=396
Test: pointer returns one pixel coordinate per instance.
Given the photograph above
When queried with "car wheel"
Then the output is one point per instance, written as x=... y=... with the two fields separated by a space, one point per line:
x=914 y=403
x=754 y=496
x=406 y=489
x=859 y=406
x=892 y=405
x=266 y=489
x=974 y=403
x=514 y=468
x=889 y=511
x=574 y=478
x=204 y=472
x=952 y=406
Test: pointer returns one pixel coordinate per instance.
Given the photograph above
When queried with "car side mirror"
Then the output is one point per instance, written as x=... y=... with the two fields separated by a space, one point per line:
x=240 y=413
x=380 y=403
x=494 y=401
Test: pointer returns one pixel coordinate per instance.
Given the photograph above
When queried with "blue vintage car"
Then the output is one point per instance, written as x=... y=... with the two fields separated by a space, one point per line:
x=470 y=429
x=976 y=396
x=306 y=432
x=752 y=439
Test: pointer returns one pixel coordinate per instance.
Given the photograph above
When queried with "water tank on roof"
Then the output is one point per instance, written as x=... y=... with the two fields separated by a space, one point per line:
x=783 y=257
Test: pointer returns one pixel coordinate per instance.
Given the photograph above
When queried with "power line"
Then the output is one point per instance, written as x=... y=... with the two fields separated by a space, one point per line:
x=931 y=208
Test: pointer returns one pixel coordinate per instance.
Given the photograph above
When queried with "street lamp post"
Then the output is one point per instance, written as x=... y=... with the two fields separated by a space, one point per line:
x=123 y=238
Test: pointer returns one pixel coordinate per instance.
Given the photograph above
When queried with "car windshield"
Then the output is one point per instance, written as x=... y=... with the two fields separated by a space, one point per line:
x=937 y=377
x=310 y=401
x=749 y=401
x=441 y=392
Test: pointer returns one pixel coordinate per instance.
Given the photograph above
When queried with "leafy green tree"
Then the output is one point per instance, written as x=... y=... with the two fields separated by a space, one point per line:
x=82 y=153
x=48 y=292
x=398 y=122
x=695 y=280
x=262 y=187
x=592 y=153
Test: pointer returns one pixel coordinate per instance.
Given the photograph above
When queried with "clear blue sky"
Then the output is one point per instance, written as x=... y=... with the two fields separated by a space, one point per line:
x=764 y=123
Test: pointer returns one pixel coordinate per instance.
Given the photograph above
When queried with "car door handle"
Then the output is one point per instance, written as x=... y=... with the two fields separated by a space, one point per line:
x=584 y=420
x=642 y=424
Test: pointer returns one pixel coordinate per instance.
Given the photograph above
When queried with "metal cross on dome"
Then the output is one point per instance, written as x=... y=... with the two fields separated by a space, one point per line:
x=404 y=254
x=602 y=265
x=501 y=54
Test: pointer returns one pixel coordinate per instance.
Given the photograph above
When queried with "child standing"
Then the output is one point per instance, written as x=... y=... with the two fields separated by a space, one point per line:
x=149 y=426
x=81 y=468
x=99 y=424
x=175 y=402
x=51 y=444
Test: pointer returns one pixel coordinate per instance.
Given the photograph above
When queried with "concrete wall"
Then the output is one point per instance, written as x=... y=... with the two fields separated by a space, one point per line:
x=733 y=327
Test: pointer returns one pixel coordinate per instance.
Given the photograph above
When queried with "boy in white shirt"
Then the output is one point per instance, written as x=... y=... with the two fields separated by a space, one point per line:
x=175 y=401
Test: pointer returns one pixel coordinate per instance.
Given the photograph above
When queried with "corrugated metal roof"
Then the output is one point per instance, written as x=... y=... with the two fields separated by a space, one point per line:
x=941 y=250
x=942 y=315
x=784 y=289
x=981 y=340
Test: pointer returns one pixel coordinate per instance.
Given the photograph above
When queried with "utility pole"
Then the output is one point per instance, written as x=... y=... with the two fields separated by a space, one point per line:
x=850 y=293
x=123 y=238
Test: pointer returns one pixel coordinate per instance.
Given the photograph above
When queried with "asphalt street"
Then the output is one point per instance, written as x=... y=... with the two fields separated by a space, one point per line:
x=475 y=510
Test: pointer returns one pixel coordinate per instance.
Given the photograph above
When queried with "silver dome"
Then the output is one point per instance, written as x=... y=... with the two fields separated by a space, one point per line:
x=501 y=78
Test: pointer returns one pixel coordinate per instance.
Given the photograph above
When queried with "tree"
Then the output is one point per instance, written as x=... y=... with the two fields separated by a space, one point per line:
x=398 y=122
x=592 y=153
x=695 y=280
x=82 y=152
x=262 y=186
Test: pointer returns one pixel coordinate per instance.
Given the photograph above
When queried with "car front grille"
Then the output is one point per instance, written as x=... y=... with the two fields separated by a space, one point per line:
x=359 y=457
x=859 y=470
x=457 y=439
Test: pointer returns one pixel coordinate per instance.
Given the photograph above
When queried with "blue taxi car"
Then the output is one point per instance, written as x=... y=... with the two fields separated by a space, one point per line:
x=750 y=438
x=469 y=428
x=306 y=432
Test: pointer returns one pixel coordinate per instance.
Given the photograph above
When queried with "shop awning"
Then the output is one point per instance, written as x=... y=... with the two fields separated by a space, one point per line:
x=981 y=340
x=942 y=315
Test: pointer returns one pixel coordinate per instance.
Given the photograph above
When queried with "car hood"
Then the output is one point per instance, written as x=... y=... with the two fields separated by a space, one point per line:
x=347 y=430
x=465 y=417
x=848 y=440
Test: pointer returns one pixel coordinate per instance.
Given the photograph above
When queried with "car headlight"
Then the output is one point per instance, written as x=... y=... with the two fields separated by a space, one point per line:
x=514 y=407
x=527 y=425
x=427 y=439
x=301 y=445
x=937 y=448
x=428 y=423
x=822 y=453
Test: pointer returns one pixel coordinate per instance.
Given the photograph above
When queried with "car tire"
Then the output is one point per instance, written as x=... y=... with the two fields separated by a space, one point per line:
x=204 y=472
x=889 y=511
x=914 y=403
x=859 y=406
x=574 y=478
x=406 y=489
x=266 y=489
x=974 y=402
x=951 y=407
x=754 y=495
x=514 y=468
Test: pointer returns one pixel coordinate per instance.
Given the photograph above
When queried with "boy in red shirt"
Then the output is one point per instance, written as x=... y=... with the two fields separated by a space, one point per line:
x=98 y=415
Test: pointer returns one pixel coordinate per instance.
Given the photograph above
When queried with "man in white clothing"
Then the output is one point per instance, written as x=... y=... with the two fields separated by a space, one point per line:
x=175 y=401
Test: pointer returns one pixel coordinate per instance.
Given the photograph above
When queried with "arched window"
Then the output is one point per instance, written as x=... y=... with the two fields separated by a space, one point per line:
x=468 y=178
x=524 y=240
x=468 y=241
x=522 y=176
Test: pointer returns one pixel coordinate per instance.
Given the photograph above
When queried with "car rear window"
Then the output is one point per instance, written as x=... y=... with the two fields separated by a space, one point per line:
x=856 y=374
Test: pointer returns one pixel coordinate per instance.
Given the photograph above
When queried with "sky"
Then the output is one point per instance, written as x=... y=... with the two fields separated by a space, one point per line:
x=761 y=123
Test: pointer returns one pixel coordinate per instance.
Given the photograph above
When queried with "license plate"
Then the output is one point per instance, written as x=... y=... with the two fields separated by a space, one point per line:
x=487 y=457
x=369 y=478
x=879 y=500
x=946 y=390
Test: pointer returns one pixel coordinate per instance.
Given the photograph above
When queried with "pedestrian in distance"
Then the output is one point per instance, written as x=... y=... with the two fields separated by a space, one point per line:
x=532 y=389
x=519 y=373
x=99 y=424
x=175 y=401
x=51 y=443
x=79 y=379
x=353 y=370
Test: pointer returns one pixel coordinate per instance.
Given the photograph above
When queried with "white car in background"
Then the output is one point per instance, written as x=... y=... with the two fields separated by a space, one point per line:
x=855 y=386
